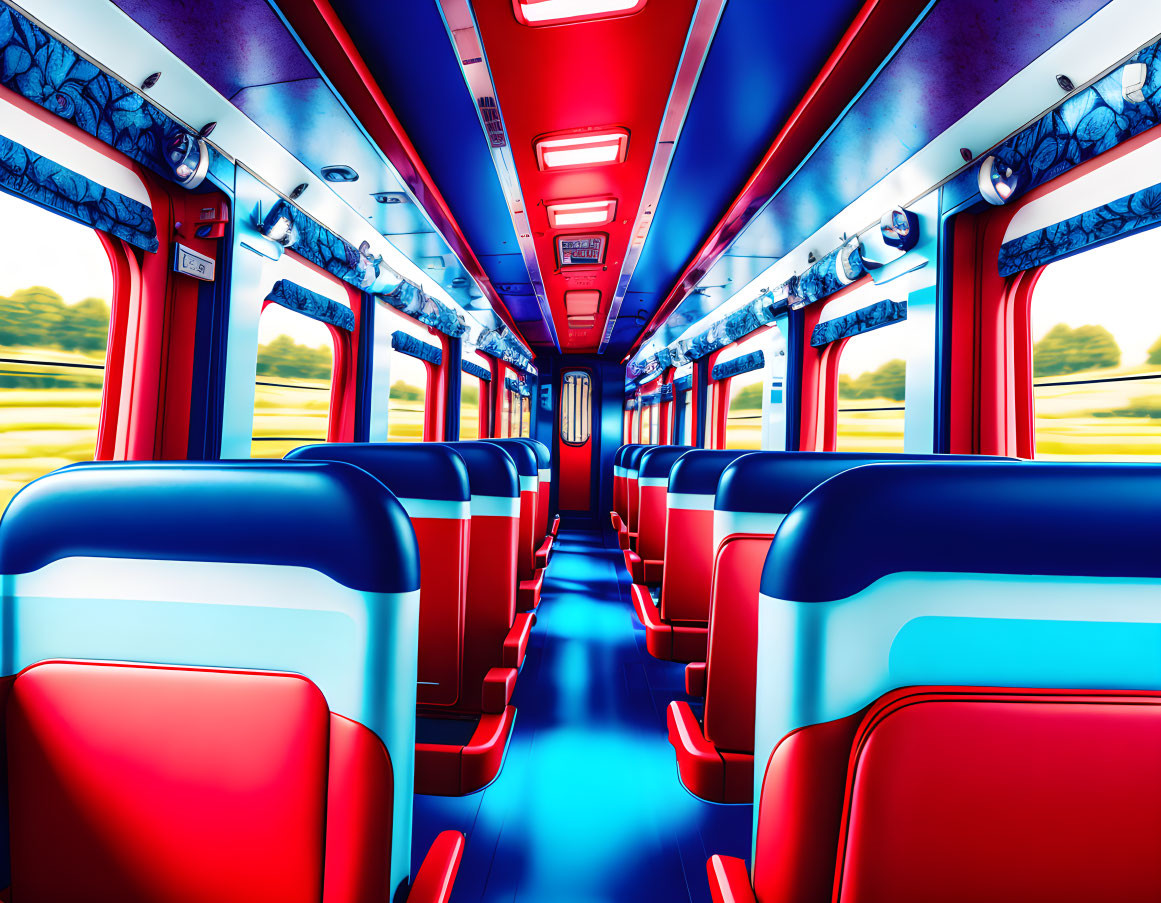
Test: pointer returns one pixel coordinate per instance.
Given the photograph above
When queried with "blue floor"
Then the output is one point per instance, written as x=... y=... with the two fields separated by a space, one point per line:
x=588 y=806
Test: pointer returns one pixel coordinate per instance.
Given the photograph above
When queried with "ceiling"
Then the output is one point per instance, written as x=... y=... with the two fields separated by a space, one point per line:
x=749 y=177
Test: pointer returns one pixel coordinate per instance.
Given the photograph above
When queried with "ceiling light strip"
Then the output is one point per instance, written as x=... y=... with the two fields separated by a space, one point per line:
x=697 y=43
x=461 y=26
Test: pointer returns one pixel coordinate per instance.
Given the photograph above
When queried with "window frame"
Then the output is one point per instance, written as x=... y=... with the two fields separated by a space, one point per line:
x=585 y=402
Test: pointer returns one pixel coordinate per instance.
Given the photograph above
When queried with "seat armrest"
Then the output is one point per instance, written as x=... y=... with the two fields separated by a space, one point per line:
x=555 y=528
x=436 y=876
x=540 y=559
x=729 y=880
x=516 y=642
x=695 y=678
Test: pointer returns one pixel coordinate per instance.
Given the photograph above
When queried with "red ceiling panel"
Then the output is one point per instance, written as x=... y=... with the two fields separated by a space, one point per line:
x=610 y=72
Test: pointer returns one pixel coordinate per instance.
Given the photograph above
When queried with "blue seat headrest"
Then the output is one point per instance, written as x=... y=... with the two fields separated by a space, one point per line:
x=632 y=459
x=524 y=456
x=1073 y=520
x=543 y=456
x=330 y=517
x=658 y=459
x=491 y=470
x=698 y=470
x=411 y=470
x=776 y=481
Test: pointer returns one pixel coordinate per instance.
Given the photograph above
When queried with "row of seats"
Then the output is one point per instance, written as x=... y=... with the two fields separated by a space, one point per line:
x=958 y=688
x=718 y=512
x=212 y=670
x=477 y=509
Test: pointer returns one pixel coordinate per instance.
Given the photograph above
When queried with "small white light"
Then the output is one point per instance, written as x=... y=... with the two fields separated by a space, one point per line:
x=538 y=12
x=1133 y=78
x=590 y=149
x=997 y=182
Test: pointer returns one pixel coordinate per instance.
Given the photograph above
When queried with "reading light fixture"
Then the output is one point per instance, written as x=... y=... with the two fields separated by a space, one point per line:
x=597 y=147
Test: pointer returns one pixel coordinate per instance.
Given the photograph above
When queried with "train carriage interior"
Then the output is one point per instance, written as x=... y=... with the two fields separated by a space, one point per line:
x=580 y=451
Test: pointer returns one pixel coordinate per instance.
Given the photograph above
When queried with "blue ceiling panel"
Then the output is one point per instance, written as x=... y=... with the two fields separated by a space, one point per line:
x=232 y=44
x=962 y=52
x=505 y=268
x=409 y=53
x=764 y=57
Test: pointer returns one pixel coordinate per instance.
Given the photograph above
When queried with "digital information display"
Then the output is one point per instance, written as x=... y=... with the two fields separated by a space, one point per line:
x=581 y=250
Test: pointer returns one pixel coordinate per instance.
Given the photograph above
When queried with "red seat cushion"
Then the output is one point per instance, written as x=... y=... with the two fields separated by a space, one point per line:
x=1005 y=796
x=132 y=782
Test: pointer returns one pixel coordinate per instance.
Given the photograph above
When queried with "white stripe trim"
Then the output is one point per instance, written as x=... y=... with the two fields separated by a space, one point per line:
x=619 y=471
x=495 y=506
x=652 y=482
x=545 y=474
x=436 y=509
x=529 y=484
x=730 y=523
x=688 y=501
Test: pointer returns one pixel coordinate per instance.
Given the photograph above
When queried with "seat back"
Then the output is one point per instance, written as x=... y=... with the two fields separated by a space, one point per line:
x=755 y=492
x=491 y=609
x=620 y=473
x=157 y=777
x=652 y=495
x=544 y=485
x=431 y=482
x=689 y=525
x=526 y=466
x=632 y=463
x=958 y=686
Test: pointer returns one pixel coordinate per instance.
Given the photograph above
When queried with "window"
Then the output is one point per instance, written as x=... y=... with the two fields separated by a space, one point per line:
x=744 y=410
x=54 y=328
x=871 y=391
x=525 y=416
x=405 y=402
x=472 y=391
x=292 y=385
x=647 y=412
x=686 y=403
x=575 y=407
x=1096 y=354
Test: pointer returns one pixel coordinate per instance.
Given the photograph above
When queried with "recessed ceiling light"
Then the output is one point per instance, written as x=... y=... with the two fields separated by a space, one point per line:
x=582 y=213
x=555 y=12
x=582 y=149
x=581 y=303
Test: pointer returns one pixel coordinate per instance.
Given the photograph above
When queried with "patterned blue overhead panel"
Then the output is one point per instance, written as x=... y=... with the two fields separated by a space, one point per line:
x=683 y=383
x=519 y=386
x=46 y=182
x=747 y=363
x=1132 y=213
x=835 y=271
x=884 y=313
x=473 y=369
x=501 y=344
x=406 y=343
x=37 y=66
x=311 y=304
x=415 y=302
x=1087 y=124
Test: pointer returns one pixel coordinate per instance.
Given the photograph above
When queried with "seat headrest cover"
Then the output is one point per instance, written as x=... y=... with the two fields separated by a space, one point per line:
x=657 y=461
x=543 y=456
x=524 y=456
x=330 y=517
x=632 y=459
x=411 y=470
x=1071 y=520
x=491 y=470
x=774 y=482
x=698 y=471
x=622 y=453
